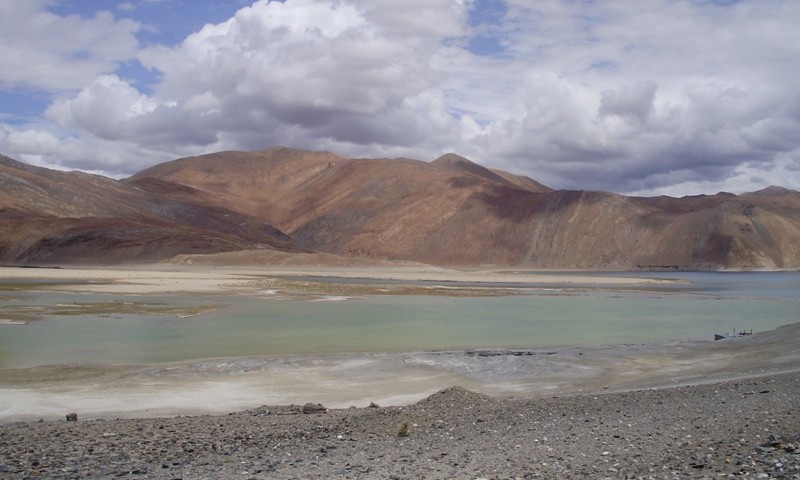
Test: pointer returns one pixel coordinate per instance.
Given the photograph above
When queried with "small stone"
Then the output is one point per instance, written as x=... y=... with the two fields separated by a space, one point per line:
x=72 y=417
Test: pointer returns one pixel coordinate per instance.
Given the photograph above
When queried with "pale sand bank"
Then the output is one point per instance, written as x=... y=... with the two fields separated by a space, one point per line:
x=201 y=279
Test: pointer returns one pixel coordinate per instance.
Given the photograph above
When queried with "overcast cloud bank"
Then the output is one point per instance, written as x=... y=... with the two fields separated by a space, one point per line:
x=675 y=97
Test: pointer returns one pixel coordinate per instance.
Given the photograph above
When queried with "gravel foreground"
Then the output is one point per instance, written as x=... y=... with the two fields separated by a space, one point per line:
x=740 y=428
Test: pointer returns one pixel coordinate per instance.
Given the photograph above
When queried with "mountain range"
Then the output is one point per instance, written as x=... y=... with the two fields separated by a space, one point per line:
x=450 y=211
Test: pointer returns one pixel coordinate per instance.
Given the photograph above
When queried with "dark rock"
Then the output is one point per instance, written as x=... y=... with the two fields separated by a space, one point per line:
x=775 y=442
x=310 y=408
x=72 y=417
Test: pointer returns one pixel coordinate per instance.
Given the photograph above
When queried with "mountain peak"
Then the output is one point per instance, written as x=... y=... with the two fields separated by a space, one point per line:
x=457 y=163
x=773 y=190
x=452 y=159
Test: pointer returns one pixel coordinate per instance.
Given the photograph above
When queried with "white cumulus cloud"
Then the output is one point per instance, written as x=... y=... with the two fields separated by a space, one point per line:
x=42 y=50
x=665 y=96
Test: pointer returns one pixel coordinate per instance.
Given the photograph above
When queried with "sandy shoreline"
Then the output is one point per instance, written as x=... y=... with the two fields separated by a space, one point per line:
x=746 y=427
x=217 y=386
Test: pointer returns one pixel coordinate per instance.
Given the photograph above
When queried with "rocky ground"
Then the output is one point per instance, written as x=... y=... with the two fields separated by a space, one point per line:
x=741 y=428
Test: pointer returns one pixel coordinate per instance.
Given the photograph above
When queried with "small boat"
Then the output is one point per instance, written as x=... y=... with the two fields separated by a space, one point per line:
x=734 y=334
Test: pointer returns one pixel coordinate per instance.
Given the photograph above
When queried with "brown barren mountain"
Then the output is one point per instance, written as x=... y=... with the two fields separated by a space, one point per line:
x=49 y=216
x=450 y=211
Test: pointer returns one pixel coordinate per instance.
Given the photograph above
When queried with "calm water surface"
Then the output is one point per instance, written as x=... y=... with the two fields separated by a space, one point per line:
x=538 y=318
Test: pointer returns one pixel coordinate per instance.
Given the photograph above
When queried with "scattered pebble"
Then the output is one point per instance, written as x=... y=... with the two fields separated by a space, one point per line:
x=703 y=431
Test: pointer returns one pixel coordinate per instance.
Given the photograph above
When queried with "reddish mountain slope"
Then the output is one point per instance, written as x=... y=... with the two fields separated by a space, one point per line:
x=452 y=211
x=449 y=211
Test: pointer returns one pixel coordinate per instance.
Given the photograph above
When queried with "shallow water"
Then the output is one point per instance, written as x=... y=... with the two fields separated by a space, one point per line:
x=272 y=325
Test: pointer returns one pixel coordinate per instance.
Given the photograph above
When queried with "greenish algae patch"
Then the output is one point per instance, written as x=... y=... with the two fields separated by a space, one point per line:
x=102 y=309
x=18 y=287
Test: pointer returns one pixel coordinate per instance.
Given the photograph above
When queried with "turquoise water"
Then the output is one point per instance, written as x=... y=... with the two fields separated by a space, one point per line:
x=539 y=318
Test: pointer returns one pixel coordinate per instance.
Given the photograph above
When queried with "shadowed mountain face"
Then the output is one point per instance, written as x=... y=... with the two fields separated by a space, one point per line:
x=49 y=216
x=449 y=211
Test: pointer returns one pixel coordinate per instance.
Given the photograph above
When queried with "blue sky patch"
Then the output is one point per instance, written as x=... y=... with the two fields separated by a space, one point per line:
x=142 y=78
x=22 y=106
x=165 y=22
x=485 y=45
x=489 y=12
x=486 y=19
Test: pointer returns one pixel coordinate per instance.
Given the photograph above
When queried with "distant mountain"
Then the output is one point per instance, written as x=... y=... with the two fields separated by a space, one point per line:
x=452 y=211
x=50 y=216
x=449 y=211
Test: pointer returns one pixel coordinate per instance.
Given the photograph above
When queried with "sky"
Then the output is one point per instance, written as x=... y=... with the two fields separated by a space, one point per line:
x=672 y=97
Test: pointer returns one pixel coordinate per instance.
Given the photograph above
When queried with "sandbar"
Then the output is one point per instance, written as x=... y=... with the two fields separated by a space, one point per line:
x=168 y=278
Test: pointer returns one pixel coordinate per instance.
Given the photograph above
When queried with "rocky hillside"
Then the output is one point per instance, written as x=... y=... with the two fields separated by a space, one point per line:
x=448 y=211
x=49 y=216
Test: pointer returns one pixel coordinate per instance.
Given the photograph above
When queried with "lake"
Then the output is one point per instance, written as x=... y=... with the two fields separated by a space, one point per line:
x=272 y=325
